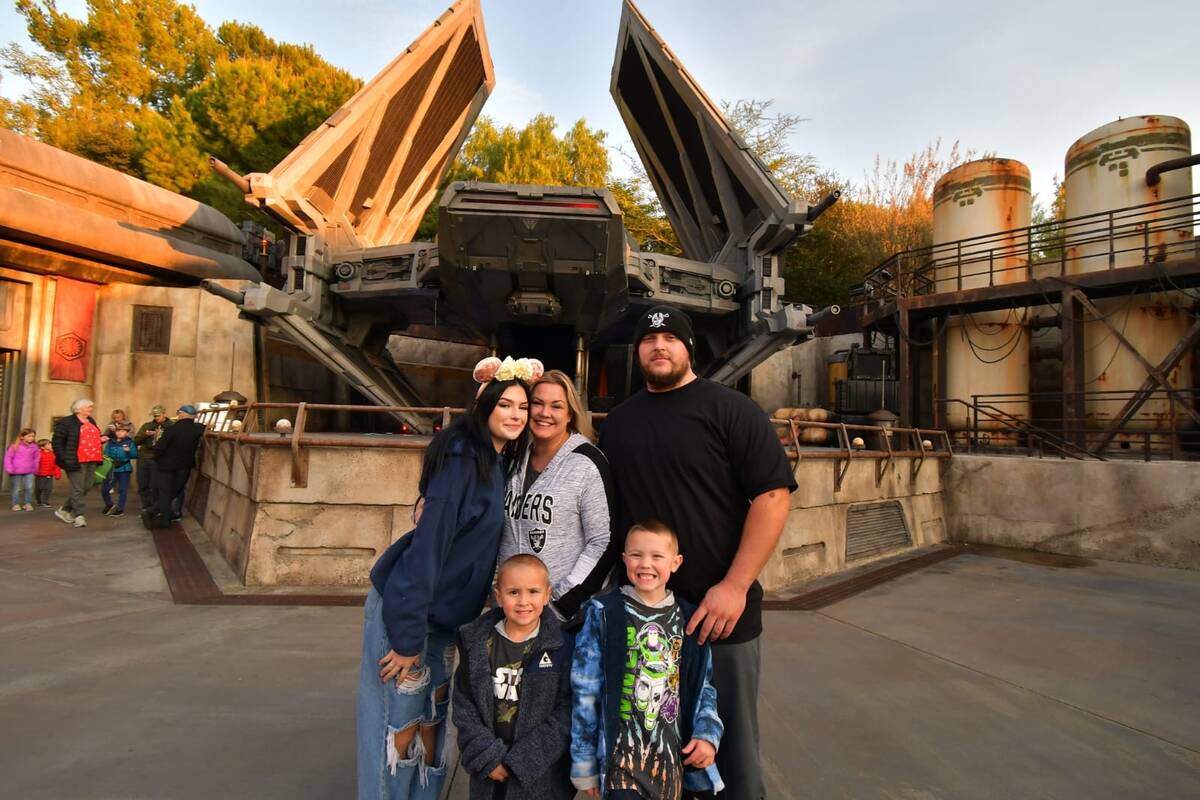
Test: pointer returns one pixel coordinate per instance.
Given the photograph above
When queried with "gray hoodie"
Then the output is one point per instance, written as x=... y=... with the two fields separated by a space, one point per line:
x=563 y=519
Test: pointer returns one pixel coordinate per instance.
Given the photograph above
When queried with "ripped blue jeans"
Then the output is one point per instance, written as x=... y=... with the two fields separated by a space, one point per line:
x=385 y=709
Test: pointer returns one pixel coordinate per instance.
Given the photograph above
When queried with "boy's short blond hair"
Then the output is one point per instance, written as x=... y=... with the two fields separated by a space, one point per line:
x=522 y=560
x=656 y=526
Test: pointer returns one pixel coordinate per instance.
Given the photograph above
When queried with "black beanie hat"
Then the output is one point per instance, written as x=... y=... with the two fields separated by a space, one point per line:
x=666 y=319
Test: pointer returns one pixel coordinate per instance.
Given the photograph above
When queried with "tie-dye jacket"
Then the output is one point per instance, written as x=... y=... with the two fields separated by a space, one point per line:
x=597 y=674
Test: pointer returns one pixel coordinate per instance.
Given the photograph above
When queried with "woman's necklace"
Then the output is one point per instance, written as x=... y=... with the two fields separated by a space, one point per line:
x=539 y=460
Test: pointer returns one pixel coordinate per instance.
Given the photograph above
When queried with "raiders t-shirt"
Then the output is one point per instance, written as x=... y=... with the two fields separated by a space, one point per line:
x=695 y=457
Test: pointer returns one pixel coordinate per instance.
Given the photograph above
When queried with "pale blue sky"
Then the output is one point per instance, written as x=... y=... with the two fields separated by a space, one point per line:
x=1023 y=79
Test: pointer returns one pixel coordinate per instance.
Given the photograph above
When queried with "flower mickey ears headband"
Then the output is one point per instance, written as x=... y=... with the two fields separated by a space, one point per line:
x=492 y=368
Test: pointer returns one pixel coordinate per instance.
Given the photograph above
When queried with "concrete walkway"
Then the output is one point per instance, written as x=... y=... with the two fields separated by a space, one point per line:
x=980 y=677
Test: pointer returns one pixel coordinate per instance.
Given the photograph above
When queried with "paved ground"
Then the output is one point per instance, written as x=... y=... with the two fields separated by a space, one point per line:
x=980 y=677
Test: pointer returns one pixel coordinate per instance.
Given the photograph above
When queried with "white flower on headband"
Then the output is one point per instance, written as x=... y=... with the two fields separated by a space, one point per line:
x=492 y=368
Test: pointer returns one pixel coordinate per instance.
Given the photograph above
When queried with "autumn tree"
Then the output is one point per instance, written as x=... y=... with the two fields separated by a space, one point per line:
x=890 y=211
x=149 y=88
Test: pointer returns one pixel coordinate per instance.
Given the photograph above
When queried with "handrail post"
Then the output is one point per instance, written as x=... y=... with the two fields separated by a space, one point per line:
x=299 y=470
x=974 y=419
x=1112 y=243
x=958 y=263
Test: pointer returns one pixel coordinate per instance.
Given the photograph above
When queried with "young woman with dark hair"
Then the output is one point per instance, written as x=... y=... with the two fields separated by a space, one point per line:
x=429 y=583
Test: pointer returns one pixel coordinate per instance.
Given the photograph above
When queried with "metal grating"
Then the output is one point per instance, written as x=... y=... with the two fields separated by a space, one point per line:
x=151 y=329
x=331 y=178
x=463 y=79
x=390 y=135
x=874 y=528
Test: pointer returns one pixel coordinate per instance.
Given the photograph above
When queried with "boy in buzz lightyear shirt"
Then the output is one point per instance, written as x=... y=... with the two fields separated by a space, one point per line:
x=645 y=721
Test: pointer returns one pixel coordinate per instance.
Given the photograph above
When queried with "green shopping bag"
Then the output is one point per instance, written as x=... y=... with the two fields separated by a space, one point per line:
x=103 y=470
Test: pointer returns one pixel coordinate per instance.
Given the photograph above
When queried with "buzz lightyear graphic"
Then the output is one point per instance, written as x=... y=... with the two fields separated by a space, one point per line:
x=656 y=681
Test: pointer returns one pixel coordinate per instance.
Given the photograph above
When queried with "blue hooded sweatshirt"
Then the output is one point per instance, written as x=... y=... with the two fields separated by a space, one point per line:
x=438 y=576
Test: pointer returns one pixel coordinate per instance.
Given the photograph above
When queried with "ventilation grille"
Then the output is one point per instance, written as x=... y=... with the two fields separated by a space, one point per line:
x=874 y=528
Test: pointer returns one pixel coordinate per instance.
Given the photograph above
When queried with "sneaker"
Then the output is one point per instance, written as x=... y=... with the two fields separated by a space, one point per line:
x=107 y=509
x=80 y=522
x=65 y=516
x=117 y=513
x=29 y=506
x=16 y=508
x=43 y=505
x=176 y=517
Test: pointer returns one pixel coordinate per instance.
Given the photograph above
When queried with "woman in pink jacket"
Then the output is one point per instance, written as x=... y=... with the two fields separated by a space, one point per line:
x=21 y=462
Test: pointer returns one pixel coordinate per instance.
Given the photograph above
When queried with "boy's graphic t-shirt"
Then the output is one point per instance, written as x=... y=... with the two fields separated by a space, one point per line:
x=646 y=758
x=507 y=659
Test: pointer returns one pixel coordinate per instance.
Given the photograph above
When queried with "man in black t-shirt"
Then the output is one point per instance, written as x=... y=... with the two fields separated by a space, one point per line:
x=705 y=460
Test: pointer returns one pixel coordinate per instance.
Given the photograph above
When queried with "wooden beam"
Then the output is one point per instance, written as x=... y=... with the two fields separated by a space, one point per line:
x=906 y=354
x=1073 y=411
x=940 y=352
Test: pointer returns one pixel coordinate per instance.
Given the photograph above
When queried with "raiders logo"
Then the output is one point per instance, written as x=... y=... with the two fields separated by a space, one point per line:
x=537 y=539
x=658 y=319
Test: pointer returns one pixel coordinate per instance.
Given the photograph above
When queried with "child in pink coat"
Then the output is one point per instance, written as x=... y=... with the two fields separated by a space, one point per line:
x=21 y=463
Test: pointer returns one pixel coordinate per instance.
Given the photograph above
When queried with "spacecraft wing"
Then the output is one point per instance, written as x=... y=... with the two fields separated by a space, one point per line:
x=373 y=167
x=712 y=187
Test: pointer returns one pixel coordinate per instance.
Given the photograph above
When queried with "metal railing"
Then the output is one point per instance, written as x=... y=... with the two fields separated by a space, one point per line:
x=1104 y=240
x=1038 y=424
x=918 y=444
x=222 y=422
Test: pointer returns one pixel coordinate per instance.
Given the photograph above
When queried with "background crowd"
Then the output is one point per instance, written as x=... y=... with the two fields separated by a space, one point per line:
x=88 y=456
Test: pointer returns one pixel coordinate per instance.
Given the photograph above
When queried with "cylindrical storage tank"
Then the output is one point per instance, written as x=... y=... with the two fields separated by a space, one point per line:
x=1106 y=173
x=978 y=211
x=988 y=199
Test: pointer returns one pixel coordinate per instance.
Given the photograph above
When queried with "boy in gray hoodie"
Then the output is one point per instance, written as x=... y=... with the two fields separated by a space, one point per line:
x=512 y=692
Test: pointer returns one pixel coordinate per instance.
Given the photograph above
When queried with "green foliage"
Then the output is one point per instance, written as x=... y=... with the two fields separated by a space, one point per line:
x=147 y=87
x=644 y=218
x=1050 y=237
x=534 y=154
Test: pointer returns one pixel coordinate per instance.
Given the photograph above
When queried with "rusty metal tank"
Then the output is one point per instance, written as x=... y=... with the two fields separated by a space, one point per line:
x=1106 y=173
x=978 y=211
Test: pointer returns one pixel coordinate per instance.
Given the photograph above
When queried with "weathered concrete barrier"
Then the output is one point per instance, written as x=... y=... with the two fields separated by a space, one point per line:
x=820 y=535
x=1116 y=510
x=321 y=515
x=355 y=501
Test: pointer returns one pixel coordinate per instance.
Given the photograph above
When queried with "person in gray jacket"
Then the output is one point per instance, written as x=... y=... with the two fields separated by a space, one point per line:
x=512 y=692
x=560 y=501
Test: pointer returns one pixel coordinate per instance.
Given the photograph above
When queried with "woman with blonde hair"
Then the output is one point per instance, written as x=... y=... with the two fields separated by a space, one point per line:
x=560 y=500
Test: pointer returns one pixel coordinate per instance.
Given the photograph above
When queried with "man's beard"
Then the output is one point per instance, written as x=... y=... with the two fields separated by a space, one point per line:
x=668 y=380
